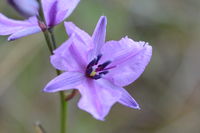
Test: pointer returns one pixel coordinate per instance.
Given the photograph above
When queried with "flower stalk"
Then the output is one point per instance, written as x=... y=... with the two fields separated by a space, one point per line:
x=50 y=40
x=63 y=113
x=43 y=26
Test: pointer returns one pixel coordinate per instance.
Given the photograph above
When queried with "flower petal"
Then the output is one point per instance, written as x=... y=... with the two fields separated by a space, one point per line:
x=18 y=28
x=71 y=28
x=24 y=32
x=129 y=58
x=127 y=100
x=99 y=36
x=58 y=10
x=65 y=81
x=70 y=56
x=9 y=26
x=51 y=16
x=60 y=63
x=26 y=8
x=66 y=5
x=97 y=97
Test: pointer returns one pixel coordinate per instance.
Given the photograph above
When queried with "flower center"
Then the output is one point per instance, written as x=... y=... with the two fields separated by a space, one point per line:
x=95 y=70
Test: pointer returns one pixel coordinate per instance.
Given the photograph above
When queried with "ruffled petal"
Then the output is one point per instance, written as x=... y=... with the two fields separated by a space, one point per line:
x=127 y=100
x=65 y=81
x=97 y=97
x=99 y=36
x=70 y=56
x=58 y=10
x=129 y=59
x=71 y=28
x=18 y=28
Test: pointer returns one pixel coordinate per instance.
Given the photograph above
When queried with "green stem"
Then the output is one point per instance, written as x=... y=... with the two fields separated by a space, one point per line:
x=52 y=37
x=63 y=103
x=63 y=113
x=41 y=20
x=63 y=110
x=48 y=41
x=52 y=46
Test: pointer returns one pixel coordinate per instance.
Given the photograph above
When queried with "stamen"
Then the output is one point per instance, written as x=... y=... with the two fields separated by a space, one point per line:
x=109 y=67
x=96 y=71
x=98 y=58
x=92 y=63
x=96 y=77
x=102 y=66
x=88 y=71
x=104 y=72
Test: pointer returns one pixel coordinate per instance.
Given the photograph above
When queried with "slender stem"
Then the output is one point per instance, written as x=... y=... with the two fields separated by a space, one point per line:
x=52 y=46
x=63 y=112
x=52 y=37
x=43 y=26
x=48 y=41
x=41 y=13
x=63 y=103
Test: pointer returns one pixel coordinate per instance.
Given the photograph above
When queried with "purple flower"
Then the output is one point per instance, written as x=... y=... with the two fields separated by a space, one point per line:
x=26 y=8
x=55 y=11
x=98 y=69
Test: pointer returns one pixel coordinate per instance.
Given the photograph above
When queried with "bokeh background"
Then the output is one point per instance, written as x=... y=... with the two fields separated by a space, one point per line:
x=168 y=91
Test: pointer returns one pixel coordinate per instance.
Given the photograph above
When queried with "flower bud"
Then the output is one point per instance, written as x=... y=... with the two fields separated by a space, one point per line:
x=26 y=8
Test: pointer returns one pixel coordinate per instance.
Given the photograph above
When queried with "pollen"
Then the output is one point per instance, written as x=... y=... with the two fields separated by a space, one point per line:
x=93 y=73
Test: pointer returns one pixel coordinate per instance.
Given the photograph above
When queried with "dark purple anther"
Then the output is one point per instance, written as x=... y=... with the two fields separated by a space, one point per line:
x=98 y=58
x=88 y=71
x=92 y=63
x=96 y=71
x=96 y=77
x=104 y=72
x=102 y=66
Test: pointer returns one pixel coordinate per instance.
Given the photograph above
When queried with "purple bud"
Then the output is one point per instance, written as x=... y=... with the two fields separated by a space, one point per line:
x=27 y=8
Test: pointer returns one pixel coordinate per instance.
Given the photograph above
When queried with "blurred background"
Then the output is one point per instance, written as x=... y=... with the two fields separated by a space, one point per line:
x=168 y=91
